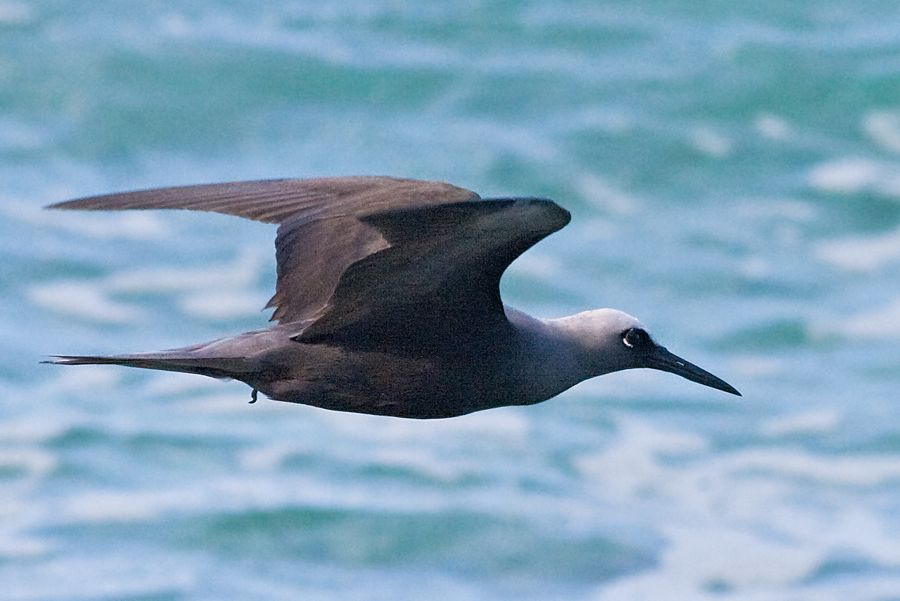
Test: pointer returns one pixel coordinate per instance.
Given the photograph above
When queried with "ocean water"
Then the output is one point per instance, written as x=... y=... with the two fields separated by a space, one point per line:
x=734 y=174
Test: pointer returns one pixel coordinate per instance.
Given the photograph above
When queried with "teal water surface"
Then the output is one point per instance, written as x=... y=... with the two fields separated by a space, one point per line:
x=734 y=174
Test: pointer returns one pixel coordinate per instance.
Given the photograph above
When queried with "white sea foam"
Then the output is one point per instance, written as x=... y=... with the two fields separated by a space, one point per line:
x=757 y=366
x=108 y=506
x=429 y=464
x=246 y=490
x=882 y=322
x=597 y=117
x=537 y=265
x=777 y=209
x=859 y=471
x=879 y=323
x=124 y=225
x=711 y=142
x=410 y=444
x=16 y=135
x=267 y=458
x=855 y=175
x=168 y=383
x=325 y=44
x=221 y=304
x=434 y=449
x=79 y=381
x=113 y=575
x=242 y=271
x=177 y=25
x=85 y=300
x=214 y=292
x=33 y=461
x=809 y=422
x=757 y=268
x=738 y=524
x=861 y=253
x=17 y=546
x=30 y=430
x=633 y=469
x=423 y=460
x=772 y=126
x=735 y=523
x=698 y=557
x=884 y=128
x=15 y=13
x=708 y=564
x=603 y=194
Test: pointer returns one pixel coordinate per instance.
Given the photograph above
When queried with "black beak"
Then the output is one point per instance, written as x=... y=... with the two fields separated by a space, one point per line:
x=662 y=359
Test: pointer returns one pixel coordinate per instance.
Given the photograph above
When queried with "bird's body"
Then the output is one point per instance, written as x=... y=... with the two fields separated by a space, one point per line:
x=521 y=365
x=388 y=301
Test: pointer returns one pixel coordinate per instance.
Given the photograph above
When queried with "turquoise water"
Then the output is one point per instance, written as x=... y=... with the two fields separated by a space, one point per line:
x=734 y=174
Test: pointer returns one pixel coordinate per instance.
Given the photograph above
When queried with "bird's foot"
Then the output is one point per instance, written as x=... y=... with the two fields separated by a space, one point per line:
x=253 y=396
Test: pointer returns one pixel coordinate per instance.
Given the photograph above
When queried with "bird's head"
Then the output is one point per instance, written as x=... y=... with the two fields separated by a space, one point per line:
x=613 y=341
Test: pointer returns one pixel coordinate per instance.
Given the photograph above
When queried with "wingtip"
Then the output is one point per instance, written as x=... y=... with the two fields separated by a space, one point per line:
x=69 y=205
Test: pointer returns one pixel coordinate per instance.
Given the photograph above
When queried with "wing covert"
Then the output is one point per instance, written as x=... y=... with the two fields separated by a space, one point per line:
x=439 y=275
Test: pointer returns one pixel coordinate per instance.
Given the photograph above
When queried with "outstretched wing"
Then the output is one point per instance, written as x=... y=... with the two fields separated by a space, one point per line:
x=319 y=235
x=369 y=260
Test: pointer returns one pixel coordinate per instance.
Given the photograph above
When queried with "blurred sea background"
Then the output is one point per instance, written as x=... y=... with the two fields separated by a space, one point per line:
x=734 y=174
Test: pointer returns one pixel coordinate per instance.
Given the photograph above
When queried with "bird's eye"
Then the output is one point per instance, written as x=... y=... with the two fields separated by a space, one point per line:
x=635 y=338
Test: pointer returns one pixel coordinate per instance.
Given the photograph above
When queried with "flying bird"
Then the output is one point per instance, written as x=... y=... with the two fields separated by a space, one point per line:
x=387 y=301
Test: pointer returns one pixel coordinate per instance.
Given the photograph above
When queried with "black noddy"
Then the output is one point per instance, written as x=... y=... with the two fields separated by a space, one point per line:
x=388 y=301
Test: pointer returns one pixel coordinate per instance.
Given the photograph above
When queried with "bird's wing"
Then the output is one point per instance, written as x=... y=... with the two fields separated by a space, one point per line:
x=373 y=258
x=319 y=235
x=438 y=280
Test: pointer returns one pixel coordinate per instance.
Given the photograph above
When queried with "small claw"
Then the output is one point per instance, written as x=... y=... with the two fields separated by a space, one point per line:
x=253 y=396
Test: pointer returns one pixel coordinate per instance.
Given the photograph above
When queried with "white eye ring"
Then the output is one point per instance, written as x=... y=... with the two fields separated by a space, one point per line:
x=635 y=337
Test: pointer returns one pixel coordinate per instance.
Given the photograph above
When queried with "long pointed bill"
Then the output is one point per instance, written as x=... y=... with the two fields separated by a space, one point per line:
x=662 y=359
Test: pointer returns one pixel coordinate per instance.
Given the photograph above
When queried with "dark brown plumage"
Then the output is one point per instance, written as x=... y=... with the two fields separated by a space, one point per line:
x=388 y=301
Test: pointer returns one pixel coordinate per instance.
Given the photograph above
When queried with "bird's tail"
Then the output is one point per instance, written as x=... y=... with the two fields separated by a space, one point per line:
x=180 y=361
